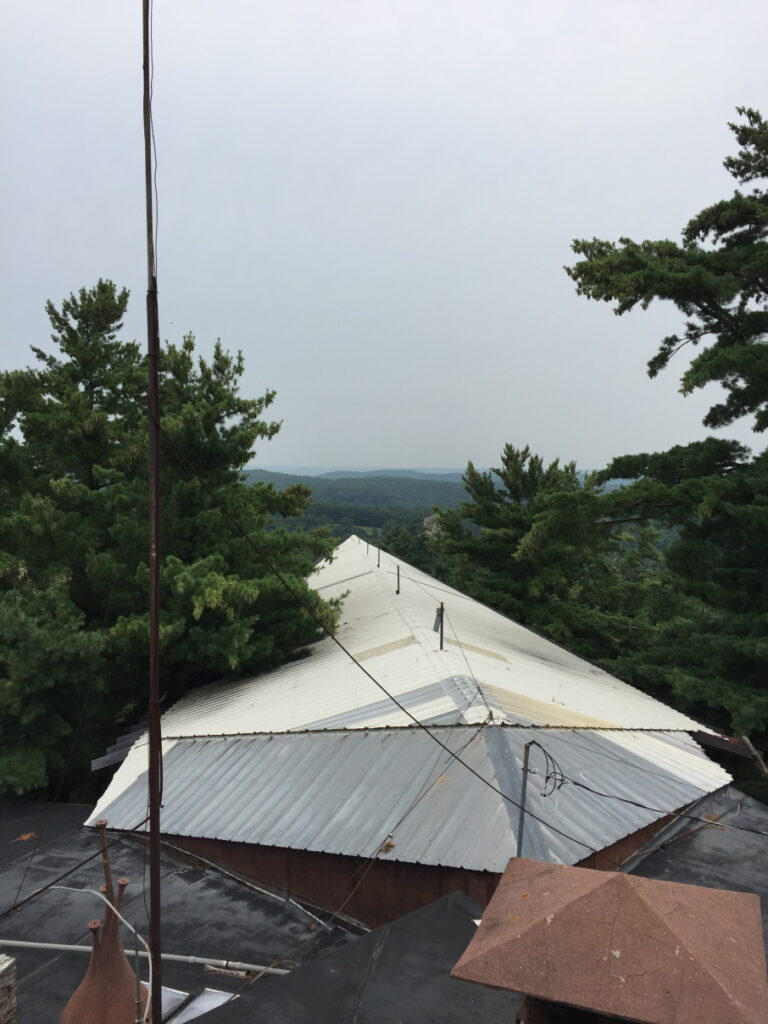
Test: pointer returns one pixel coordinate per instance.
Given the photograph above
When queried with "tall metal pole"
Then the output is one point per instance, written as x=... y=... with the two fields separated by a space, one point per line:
x=153 y=403
x=139 y=1013
x=521 y=819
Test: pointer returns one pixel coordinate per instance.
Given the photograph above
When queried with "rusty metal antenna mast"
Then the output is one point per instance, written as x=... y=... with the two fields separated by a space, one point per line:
x=153 y=403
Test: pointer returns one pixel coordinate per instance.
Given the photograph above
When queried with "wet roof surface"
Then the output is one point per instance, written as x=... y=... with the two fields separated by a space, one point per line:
x=398 y=974
x=204 y=912
x=23 y=824
x=713 y=855
x=398 y=969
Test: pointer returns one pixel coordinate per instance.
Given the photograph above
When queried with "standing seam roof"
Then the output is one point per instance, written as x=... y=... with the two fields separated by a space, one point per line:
x=345 y=791
x=315 y=756
x=488 y=663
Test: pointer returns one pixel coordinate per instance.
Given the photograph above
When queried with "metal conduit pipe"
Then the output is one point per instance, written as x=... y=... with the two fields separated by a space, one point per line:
x=230 y=965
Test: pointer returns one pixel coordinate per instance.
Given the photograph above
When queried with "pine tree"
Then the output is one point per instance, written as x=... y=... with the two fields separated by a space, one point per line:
x=714 y=655
x=537 y=543
x=73 y=539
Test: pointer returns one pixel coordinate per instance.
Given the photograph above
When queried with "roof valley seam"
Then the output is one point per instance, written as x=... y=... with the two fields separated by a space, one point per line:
x=446 y=663
x=508 y=775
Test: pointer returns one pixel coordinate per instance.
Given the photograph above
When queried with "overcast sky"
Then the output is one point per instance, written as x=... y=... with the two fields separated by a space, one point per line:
x=375 y=200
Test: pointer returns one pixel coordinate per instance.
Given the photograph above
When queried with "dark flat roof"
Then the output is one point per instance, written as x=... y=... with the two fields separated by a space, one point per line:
x=204 y=912
x=712 y=855
x=398 y=974
x=24 y=824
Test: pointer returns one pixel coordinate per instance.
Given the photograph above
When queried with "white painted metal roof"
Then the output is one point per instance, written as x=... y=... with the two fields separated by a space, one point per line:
x=490 y=666
x=349 y=791
x=315 y=756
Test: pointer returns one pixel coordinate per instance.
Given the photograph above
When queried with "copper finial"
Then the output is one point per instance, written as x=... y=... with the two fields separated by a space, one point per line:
x=108 y=990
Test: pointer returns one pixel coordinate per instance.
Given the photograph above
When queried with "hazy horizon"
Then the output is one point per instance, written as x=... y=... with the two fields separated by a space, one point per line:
x=333 y=468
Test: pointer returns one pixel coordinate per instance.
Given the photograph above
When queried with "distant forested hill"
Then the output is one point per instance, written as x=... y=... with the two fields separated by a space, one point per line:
x=449 y=476
x=350 y=502
x=373 y=505
x=412 y=494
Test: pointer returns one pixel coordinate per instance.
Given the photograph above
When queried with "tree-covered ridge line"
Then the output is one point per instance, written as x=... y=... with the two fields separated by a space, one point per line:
x=376 y=490
x=447 y=476
x=372 y=505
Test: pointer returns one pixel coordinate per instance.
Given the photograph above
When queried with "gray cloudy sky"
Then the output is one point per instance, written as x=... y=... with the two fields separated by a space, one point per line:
x=374 y=201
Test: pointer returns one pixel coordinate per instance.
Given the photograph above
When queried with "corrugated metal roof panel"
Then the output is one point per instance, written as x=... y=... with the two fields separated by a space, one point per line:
x=348 y=791
x=489 y=664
